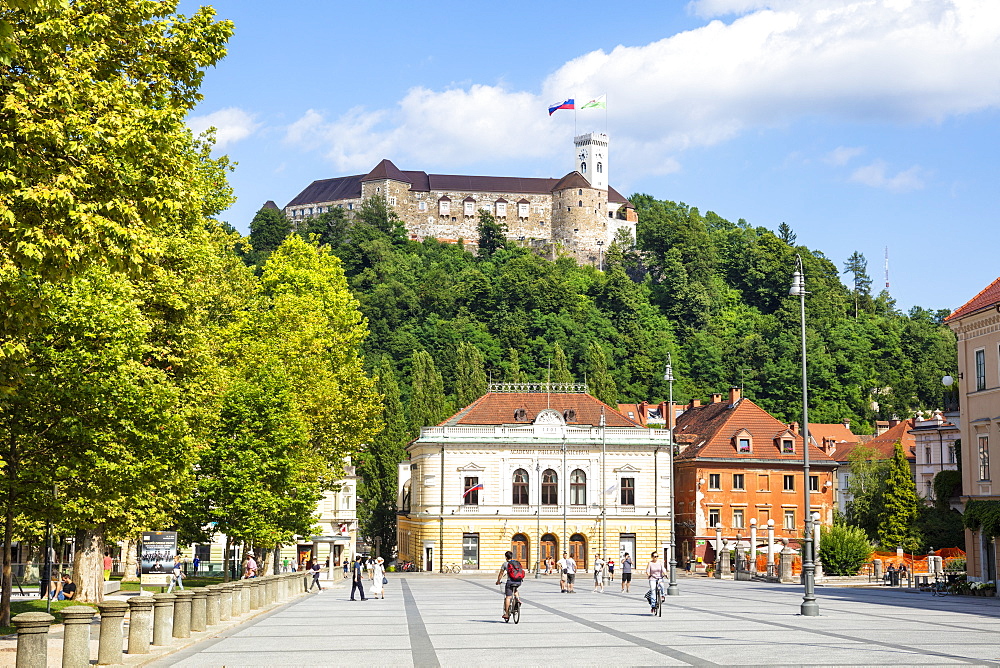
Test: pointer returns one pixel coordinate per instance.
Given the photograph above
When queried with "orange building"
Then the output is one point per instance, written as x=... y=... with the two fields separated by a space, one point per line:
x=738 y=463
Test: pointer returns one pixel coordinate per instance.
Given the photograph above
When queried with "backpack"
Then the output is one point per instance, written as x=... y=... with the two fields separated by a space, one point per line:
x=514 y=570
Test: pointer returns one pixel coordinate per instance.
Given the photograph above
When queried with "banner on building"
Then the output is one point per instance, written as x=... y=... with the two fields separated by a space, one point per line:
x=157 y=554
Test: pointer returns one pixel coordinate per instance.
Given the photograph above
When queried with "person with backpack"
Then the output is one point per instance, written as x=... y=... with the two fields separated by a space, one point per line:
x=515 y=576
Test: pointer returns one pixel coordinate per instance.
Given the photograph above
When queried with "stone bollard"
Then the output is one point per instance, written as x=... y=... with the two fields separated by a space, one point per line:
x=225 y=601
x=109 y=650
x=32 y=639
x=245 y=597
x=163 y=610
x=877 y=568
x=785 y=561
x=237 y=609
x=182 y=614
x=140 y=624
x=272 y=589
x=199 y=609
x=76 y=635
x=213 y=611
x=254 y=594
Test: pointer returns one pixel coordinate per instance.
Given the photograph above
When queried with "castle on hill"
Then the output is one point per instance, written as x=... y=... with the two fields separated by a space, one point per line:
x=577 y=215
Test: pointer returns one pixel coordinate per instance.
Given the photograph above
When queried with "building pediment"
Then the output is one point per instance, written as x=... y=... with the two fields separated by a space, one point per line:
x=628 y=468
x=471 y=467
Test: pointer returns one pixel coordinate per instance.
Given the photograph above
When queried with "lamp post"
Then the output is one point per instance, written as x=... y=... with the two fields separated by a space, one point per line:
x=600 y=261
x=669 y=377
x=538 y=520
x=809 y=607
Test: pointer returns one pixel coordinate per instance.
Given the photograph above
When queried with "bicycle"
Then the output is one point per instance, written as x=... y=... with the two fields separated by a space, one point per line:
x=656 y=604
x=453 y=568
x=515 y=608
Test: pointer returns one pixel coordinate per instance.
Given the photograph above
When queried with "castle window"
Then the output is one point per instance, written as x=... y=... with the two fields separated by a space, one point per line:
x=580 y=191
x=377 y=189
x=522 y=210
x=470 y=208
x=600 y=168
x=502 y=209
x=392 y=201
x=350 y=206
x=422 y=206
x=444 y=206
x=583 y=167
x=580 y=203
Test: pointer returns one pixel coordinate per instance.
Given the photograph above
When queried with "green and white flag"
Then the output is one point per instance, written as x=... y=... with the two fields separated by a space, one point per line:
x=597 y=103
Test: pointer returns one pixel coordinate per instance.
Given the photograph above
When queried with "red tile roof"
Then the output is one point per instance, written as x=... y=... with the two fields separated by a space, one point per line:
x=988 y=297
x=885 y=444
x=837 y=431
x=710 y=430
x=496 y=408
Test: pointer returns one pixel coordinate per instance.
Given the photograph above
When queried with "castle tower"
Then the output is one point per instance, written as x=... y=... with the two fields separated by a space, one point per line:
x=592 y=158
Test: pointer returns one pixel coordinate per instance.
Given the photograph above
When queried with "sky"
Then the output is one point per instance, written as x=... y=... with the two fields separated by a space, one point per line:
x=865 y=125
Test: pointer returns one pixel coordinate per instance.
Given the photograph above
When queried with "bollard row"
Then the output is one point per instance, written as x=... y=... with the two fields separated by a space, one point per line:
x=153 y=620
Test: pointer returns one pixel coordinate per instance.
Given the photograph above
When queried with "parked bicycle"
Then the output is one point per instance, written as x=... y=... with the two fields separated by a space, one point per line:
x=453 y=568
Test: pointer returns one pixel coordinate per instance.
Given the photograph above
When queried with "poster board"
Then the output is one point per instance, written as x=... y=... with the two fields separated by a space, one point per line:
x=157 y=554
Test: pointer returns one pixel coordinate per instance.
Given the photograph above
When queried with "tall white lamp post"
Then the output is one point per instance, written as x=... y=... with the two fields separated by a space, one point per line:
x=809 y=607
x=668 y=376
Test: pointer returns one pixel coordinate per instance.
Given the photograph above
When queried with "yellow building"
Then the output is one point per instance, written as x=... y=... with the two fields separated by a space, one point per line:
x=523 y=467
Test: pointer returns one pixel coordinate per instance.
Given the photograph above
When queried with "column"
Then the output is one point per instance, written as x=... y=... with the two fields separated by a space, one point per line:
x=753 y=545
x=199 y=609
x=245 y=597
x=32 y=638
x=254 y=593
x=213 y=611
x=817 y=562
x=76 y=635
x=770 y=545
x=786 y=558
x=182 y=613
x=163 y=610
x=226 y=601
x=140 y=624
x=109 y=650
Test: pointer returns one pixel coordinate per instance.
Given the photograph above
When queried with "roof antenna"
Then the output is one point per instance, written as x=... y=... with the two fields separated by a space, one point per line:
x=887 y=268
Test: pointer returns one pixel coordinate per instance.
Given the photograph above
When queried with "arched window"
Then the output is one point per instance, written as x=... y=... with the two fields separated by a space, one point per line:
x=550 y=488
x=600 y=168
x=405 y=505
x=578 y=488
x=583 y=167
x=520 y=487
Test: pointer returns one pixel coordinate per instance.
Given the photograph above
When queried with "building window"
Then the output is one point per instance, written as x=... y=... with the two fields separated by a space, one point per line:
x=470 y=208
x=738 y=481
x=471 y=496
x=814 y=483
x=743 y=445
x=350 y=206
x=470 y=551
x=580 y=191
x=789 y=520
x=550 y=488
x=927 y=454
x=501 y=209
x=580 y=203
x=392 y=201
x=714 y=480
x=984 y=458
x=980 y=369
x=738 y=514
x=628 y=491
x=578 y=488
x=927 y=489
x=763 y=483
x=520 y=487
x=714 y=517
x=789 y=483
x=787 y=446
x=522 y=210
x=951 y=453
x=421 y=206
x=444 y=207
x=600 y=168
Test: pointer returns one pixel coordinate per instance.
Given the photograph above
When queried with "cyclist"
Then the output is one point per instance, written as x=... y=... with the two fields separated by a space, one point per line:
x=654 y=571
x=515 y=576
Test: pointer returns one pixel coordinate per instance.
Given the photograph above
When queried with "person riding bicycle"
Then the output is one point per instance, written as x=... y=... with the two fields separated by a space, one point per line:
x=654 y=571
x=515 y=575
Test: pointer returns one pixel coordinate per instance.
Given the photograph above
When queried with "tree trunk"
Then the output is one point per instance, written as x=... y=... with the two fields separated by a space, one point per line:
x=130 y=571
x=8 y=534
x=88 y=564
x=225 y=561
x=264 y=565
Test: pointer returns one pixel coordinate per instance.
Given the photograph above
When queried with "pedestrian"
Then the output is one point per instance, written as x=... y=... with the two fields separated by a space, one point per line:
x=315 y=581
x=598 y=573
x=378 y=579
x=571 y=574
x=654 y=572
x=562 y=574
x=626 y=572
x=68 y=592
x=176 y=577
x=196 y=563
x=889 y=572
x=357 y=577
x=251 y=567
x=108 y=565
x=611 y=569
x=284 y=565
x=346 y=564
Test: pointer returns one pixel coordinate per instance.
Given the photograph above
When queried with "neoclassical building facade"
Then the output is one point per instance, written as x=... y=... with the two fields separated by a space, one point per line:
x=578 y=214
x=538 y=473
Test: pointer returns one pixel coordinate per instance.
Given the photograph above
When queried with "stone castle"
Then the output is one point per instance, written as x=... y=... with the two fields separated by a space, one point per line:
x=577 y=215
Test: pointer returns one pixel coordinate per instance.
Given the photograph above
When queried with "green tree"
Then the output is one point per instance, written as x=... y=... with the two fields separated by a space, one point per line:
x=867 y=488
x=786 y=234
x=330 y=227
x=428 y=404
x=857 y=266
x=560 y=367
x=268 y=230
x=602 y=385
x=512 y=367
x=844 y=549
x=492 y=234
x=898 y=511
x=470 y=374
x=376 y=213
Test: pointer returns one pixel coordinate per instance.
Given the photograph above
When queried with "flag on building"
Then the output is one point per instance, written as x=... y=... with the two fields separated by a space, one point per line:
x=473 y=489
x=568 y=104
x=597 y=103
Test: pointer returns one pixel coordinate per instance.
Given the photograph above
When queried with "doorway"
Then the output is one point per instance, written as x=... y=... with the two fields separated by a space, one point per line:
x=626 y=545
x=550 y=547
x=428 y=558
x=578 y=550
x=519 y=546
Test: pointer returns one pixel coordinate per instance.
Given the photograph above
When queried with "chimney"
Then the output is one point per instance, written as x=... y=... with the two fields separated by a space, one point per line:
x=847 y=423
x=716 y=398
x=893 y=422
x=695 y=403
x=735 y=395
x=794 y=426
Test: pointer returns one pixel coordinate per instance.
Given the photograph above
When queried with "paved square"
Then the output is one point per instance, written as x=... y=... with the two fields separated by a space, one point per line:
x=430 y=620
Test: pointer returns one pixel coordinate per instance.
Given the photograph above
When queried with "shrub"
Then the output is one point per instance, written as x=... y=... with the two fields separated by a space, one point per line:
x=844 y=550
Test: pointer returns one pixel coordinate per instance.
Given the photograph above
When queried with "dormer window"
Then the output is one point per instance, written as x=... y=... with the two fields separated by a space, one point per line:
x=744 y=445
x=444 y=206
x=501 y=209
x=743 y=442
x=522 y=210
x=470 y=208
x=787 y=446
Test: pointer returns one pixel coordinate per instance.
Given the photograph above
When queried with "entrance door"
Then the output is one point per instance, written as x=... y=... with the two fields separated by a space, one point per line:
x=989 y=558
x=519 y=546
x=428 y=558
x=578 y=550
x=550 y=547
x=626 y=545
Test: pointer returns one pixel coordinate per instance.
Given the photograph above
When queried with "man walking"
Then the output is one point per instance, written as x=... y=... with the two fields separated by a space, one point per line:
x=598 y=573
x=626 y=572
x=315 y=572
x=571 y=574
x=561 y=565
x=357 y=578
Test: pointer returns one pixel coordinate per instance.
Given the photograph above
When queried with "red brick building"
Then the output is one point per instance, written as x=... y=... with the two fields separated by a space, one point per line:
x=737 y=463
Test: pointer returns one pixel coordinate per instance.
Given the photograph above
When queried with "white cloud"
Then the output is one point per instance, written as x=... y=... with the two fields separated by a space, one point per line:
x=776 y=62
x=232 y=124
x=842 y=155
x=874 y=175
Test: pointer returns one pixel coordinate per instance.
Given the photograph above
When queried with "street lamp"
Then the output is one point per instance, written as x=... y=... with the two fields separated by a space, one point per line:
x=668 y=376
x=809 y=607
x=600 y=255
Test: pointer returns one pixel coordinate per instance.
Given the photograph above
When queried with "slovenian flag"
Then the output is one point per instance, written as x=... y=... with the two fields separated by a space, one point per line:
x=473 y=489
x=597 y=103
x=568 y=104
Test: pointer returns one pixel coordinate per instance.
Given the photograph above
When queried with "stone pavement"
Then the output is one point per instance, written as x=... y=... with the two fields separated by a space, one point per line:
x=454 y=620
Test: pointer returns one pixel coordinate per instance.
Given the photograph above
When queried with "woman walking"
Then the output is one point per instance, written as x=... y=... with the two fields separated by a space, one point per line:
x=598 y=573
x=378 y=578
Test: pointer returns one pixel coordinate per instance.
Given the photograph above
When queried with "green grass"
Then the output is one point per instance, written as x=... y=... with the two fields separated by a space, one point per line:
x=38 y=605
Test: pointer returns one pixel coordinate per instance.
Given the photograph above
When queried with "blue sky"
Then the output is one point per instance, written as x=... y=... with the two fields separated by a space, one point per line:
x=863 y=124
